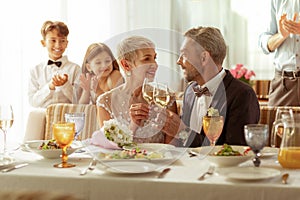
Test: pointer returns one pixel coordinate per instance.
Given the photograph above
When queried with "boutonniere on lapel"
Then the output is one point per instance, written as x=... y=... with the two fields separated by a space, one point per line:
x=212 y=112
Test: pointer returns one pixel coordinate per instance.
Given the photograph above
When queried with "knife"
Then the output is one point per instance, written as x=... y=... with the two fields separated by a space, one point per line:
x=14 y=167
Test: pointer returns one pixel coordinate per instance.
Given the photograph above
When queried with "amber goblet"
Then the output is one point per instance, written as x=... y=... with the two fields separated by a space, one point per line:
x=63 y=133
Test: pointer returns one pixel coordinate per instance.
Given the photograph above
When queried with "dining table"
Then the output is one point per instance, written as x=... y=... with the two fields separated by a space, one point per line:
x=180 y=182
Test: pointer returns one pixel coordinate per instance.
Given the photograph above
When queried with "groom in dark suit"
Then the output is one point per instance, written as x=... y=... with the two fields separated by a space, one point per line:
x=201 y=58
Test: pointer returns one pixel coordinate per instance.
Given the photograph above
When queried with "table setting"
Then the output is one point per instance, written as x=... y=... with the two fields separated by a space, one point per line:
x=153 y=170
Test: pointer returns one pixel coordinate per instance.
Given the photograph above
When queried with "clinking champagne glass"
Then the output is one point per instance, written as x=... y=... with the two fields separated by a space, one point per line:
x=256 y=136
x=161 y=95
x=147 y=90
x=78 y=119
x=6 y=121
x=213 y=126
x=63 y=133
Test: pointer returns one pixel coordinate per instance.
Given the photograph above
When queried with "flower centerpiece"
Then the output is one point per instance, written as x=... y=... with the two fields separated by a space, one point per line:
x=117 y=132
x=242 y=73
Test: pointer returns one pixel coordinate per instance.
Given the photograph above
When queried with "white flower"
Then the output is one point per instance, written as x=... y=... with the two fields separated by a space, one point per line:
x=117 y=132
x=212 y=112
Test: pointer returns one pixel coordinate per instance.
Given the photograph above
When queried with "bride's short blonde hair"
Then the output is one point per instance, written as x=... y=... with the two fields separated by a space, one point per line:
x=127 y=48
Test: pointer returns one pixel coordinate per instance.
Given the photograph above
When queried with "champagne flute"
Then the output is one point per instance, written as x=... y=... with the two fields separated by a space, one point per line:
x=6 y=121
x=161 y=95
x=213 y=126
x=256 y=136
x=147 y=90
x=78 y=119
x=63 y=133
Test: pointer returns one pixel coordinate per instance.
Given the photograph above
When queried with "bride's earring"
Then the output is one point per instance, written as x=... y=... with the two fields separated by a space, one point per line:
x=128 y=73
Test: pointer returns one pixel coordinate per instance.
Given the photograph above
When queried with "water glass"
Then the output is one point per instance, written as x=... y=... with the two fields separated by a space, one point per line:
x=256 y=136
x=78 y=119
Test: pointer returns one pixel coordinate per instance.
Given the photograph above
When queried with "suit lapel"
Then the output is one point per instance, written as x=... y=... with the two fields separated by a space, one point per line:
x=220 y=100
x=189 y=99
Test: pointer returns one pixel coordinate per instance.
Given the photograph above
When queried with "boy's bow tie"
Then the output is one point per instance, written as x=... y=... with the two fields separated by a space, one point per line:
x=57 y=63
x=200 y=91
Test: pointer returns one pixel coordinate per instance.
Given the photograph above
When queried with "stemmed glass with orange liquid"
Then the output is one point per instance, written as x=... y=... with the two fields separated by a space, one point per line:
x=213 y=126
x=63 y=133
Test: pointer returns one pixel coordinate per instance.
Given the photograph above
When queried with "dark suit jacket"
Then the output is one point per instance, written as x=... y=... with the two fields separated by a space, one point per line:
x=236 y=101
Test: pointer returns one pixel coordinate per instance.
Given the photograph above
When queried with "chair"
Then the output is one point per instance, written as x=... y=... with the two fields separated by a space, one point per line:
x=267 y=115
x=39 y=124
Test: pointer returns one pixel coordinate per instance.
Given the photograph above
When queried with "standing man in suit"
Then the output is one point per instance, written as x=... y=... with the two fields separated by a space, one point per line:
x=201 y=58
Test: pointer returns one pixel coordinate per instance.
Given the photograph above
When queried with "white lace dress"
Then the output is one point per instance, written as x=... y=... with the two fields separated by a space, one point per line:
x=116 y=103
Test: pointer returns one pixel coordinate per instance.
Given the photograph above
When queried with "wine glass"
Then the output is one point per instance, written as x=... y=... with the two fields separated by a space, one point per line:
x=256 y=136
x=63 y=133
x=6 y=121
x=161 y=95
x=213 y=126
x=78 y=119
x=147 y=90
x=282 y=113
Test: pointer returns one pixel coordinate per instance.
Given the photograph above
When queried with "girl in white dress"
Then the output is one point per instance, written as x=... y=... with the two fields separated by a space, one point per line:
x=100 y=73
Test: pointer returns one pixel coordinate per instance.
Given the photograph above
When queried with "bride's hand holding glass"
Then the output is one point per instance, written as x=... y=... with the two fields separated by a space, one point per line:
x=139 y=113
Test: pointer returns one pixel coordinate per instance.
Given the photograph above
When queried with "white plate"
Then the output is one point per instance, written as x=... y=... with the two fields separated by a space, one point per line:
x=168 y=158
x=249 y=173
x=48 y=153
x=130 y=167
x=151 y=147
x=228 y=161
x=6 y=162
x=224 y=161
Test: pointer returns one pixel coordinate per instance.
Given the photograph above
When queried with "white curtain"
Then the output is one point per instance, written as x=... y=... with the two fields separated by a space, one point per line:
x=20 y=47
x=88 y=21
x=109 y=21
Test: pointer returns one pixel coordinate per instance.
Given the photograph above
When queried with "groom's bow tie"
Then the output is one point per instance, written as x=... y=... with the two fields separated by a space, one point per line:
x=57 y=63
x=200 y=91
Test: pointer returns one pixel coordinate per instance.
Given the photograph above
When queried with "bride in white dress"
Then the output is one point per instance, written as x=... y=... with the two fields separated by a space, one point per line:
x=137 y=57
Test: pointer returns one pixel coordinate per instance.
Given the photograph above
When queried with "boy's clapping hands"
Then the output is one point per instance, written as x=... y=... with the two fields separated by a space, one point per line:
x=58 y=80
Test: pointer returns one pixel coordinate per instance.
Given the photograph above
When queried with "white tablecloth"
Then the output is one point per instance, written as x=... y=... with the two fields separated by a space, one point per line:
x=180 y=183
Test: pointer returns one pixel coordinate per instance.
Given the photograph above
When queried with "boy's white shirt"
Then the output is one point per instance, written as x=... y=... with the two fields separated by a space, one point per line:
x=39 y=92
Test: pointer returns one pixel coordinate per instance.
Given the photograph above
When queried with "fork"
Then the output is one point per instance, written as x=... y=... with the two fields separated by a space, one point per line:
x=91 y=167
x=210 y=171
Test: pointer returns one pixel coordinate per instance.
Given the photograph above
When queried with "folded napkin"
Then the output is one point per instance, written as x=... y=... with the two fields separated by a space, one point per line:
x=99 y=139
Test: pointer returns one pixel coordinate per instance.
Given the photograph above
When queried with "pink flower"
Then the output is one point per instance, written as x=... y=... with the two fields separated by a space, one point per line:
x=241 y=72
x=249 y=74
x=238 y=66
x=233 y=72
